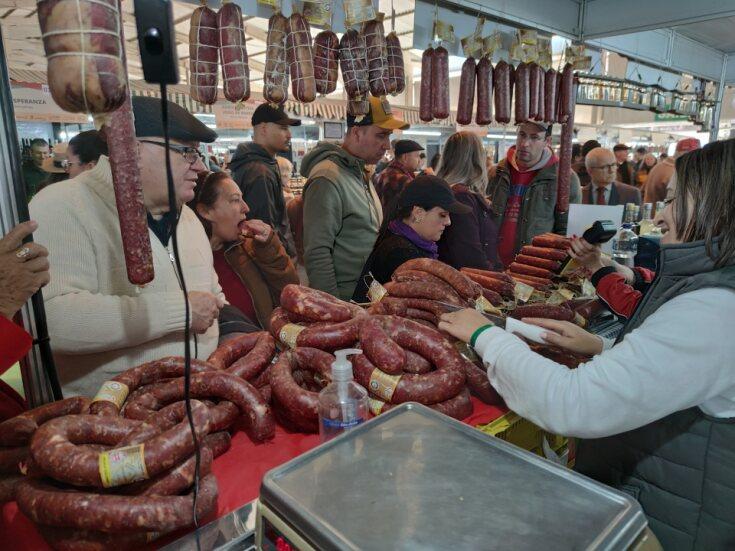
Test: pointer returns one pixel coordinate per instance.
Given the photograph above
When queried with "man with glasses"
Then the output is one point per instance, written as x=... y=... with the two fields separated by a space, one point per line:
x=524 y=189
x=603 y=188
x=100 y=324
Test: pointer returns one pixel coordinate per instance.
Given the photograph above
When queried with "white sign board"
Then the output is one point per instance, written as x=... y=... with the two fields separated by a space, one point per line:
x=33 y=102
x=582 y=217
x=235 y=116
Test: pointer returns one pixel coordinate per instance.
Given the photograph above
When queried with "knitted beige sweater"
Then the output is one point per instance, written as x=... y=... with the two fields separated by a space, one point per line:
x=99 y=323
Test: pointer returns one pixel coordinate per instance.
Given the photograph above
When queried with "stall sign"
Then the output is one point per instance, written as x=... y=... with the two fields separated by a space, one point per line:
x=478 y=130
x=358 y=11
x=234 y=116
x=33 y=102
x=318 y=12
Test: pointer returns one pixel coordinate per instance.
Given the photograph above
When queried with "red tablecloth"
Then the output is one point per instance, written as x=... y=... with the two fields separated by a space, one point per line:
x=238 y=472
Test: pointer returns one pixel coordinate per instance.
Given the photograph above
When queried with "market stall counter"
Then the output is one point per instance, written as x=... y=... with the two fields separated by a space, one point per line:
x=239 y=472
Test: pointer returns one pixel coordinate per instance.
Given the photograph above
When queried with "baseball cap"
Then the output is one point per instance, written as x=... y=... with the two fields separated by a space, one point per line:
x=687 y=144
x=380 y=115
x=621 y=147
x=427 y=192
x=55 y=163
x=545 y=126
x=267 y=112
x=182 y=125
x=406 y=146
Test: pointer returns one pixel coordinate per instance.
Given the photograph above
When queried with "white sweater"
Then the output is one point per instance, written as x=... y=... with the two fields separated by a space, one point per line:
x=99 y=323
x=683 y=355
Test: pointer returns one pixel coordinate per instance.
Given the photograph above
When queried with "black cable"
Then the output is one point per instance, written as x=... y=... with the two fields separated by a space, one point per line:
x=177 y=261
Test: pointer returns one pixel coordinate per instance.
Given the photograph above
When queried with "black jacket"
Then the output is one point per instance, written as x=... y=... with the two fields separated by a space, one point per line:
x=389 y=252
x=256 y=173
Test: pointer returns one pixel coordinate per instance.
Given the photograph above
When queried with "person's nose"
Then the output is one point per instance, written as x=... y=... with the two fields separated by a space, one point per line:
x=198 y=166
x=244 y=207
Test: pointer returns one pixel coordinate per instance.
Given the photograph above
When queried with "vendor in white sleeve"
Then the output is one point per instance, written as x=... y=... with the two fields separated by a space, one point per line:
x=656 y=409
x=100 y=324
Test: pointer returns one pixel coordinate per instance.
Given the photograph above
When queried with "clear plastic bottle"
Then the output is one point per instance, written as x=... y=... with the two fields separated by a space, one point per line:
x=646 y=220
x=625 y=246
x=343 y=404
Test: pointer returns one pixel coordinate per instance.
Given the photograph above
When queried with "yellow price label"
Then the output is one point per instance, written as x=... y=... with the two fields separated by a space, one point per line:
x=383 y=385
x=375 y=406
x=112 y=391
x=122 y=466
x=289 y=333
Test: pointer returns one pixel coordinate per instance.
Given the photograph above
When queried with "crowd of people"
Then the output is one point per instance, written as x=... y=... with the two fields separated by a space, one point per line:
x=241 y=240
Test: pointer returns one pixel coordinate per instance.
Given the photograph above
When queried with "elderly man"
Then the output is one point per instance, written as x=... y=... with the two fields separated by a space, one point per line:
x=523 y=191
x=100 y=324
x=400 y=171
x=603 y=189
x=342 y=212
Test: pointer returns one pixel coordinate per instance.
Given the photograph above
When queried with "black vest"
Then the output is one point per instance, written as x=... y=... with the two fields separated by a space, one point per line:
x=680 y=468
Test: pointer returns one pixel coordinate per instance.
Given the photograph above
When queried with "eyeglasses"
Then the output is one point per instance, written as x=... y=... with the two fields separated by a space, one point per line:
x=190 y=154
x=66 y=164
x=612 y=166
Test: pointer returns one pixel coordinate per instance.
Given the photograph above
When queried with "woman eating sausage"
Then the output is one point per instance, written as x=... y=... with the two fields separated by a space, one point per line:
x=420 y=215
x=250 y=261
x=657 y=407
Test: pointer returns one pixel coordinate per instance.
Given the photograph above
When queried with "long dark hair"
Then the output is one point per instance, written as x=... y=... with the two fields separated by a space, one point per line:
x=706 y=178
x=206 y=193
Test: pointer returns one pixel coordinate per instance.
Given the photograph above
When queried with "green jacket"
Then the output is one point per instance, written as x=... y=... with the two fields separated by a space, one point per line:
x=538 y=211
x=342 y=215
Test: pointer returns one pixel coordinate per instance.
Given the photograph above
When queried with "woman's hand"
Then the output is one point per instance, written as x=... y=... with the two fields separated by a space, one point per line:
x=569 y=336
x=257 y=229
x=589 y=256
x=24 y=268
x=462 y=323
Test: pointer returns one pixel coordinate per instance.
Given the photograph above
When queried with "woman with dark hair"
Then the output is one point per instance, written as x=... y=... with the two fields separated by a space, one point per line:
x=657 y=407
x=250 y=261
x=84 y=151
x=472 y=239
x=419 y=216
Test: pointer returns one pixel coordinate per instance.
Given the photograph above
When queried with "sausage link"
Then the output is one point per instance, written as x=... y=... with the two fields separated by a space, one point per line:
x=522 y=85
x=275 y=85
x=426 y=96
x=484 y=113
x=544 y=252
x=502 y=82
x=300 y=59
x=459 y=407
x=550 y=96
x=541 y=87
x=326 y=61
x=440 y=83
x=422 y=289
x=11 y=459
x=17 y=431
x=417 y=275
x=173 y=482
x=551 y=240
x=530 y=270
x=548 y=311
x=535 y=282
x=503 y=288
x=233 y=349
x=479 y=385
x=416 y=364
x=314 y=304
x=565 y=162
x=566 y=97
x=487 y=273
x=459 y=281
x=533 y=90
x=467 y=91
x=45 y=504
x=551 y=265
x=377 y=57
x=380 y=349
x=493 y=297
x=7 y=487
x=54 y=446
x=233 y=53
x=421 y=315
x=218 y=442
x=396 y=70
x=353 y=63
x=203 y=55
x=255 y=361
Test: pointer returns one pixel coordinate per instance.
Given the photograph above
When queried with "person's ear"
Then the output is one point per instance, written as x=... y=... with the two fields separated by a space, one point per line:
x=204 y=211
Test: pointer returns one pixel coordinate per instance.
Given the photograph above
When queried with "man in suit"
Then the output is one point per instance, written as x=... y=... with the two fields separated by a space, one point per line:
x=603 y=188
x=625 y=167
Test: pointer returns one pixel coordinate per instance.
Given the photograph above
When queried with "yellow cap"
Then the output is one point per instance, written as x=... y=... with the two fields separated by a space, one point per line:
x=380 y=115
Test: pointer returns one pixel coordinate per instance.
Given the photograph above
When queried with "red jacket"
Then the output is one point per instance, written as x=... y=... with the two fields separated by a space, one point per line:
x=620 y=297
x=14 y=345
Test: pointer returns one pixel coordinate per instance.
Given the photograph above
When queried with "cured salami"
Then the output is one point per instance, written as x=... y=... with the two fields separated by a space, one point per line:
x=203 y=55
x=233 y=53
x=300 y=60
x=396 y=71
x=275 y=88
x=326 y=61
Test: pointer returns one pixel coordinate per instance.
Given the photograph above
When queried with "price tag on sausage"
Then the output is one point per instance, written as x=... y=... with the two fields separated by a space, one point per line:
x=383 y=385
x=492 y=43
x=376 y=291
x=484 y=305
x=122 y=466
x=375 y=406
x=275 y=4
x=112 y=391
x=444 y=31
x=358 y=11
x=289 y=333
x=522 y=292
x=559 y=296
x=471 y=46
x=318 y=12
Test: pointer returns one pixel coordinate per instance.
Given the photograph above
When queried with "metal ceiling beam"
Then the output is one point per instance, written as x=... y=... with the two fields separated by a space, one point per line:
x=604 y=18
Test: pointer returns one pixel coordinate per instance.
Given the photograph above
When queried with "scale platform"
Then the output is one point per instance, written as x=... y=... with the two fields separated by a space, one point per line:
x=415 y=479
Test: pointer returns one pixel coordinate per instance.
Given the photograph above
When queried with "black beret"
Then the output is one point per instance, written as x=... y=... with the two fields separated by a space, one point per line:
x=406 y=146
x=182 y=125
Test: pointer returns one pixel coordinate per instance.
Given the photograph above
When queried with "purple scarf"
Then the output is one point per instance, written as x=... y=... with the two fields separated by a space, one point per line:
x=404 y=230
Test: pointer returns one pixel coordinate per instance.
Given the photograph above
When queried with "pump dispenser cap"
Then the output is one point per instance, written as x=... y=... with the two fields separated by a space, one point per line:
x=342 y=367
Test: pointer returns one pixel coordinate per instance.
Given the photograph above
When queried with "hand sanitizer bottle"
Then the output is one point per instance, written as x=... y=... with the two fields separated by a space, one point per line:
x=343 y=404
